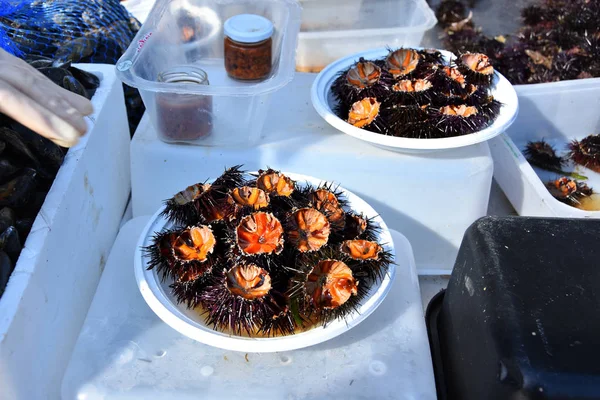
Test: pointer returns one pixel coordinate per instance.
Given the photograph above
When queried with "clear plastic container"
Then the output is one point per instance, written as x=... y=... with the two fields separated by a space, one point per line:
x=189 y=33
x=333 y=29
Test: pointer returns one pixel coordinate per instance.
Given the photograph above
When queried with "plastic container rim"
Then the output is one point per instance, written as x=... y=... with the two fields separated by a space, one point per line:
x=270 y=85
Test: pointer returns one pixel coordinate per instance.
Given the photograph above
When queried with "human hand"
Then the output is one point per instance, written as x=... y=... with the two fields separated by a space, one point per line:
x=33 y=100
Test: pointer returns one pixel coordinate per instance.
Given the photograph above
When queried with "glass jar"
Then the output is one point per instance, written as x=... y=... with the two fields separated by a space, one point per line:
x=248 y=47
x=184 y=117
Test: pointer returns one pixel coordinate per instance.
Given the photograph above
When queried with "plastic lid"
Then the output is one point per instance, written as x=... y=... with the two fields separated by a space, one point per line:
x=248 y=28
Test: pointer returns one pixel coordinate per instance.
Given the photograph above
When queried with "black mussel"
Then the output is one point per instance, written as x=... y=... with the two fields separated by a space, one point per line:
x=73 y=85
x=87 y=79
x=37 y=64
x=2 y=146
x=20 y=190
x=49 y=154
x=7 y=218
x=32 y=208
x=75 y=50
x=10 y=243
x=55 y=74
x=7 y=169
x=16 y=144
x=23 y=226
x=6 y=268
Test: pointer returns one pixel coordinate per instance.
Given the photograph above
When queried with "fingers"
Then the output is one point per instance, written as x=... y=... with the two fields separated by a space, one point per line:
x=37 y=86
x=64 y=127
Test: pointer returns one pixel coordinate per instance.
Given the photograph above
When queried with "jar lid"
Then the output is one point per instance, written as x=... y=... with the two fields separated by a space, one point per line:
x=248 y=28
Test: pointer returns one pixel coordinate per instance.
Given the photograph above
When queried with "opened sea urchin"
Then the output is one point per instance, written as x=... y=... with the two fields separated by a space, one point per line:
x=264 y=256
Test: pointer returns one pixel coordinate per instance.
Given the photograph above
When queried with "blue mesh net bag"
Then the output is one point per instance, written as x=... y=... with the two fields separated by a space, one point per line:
x=90 y=31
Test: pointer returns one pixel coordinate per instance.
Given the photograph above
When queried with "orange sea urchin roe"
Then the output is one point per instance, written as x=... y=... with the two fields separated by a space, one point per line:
x=194 y=244
x=274 y=182
x=190 y=194
x=455 y=75
x=248 y=281
x=402 y=62
x=251 y=197
x=330 y=284
x=462 y=110
x=565 y=186
x=361 y=249
x=419 y=85
x=363 y=74
x=260 y=233
x=310 y=230
x=364 y=112
x=325 y=201
x=477 y=62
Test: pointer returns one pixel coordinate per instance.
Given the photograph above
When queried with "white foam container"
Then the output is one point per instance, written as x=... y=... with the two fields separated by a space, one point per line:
x=324 y=103
x=158 y=295
x=557 y=112
x=126 y=352
x=239 y=108
x=432 y=198
x=334 y=29
x=50 y=290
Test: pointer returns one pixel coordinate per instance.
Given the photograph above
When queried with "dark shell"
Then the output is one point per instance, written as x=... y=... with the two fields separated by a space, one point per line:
x=7 y=218
x=10 y=243
x=542 y=155
x=6 y=269
x=7 y=170
x=19 y=191
x=24 y=226
x=586 y=152
x=73 y=85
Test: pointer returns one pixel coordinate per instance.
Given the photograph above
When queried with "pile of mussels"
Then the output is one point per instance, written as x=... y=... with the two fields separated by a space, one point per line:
x=28 y=165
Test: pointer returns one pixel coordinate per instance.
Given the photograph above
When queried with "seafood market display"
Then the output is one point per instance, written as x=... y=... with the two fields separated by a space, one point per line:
x=559 y=40
x=417 y=94
x=28 y=165
x=262 y=255
x=583 y=153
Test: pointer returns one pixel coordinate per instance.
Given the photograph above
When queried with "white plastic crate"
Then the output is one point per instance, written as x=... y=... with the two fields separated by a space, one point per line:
x=48 y=294
x=330 y=31
x=125 y=352
x=558 y=113
x=431 y=198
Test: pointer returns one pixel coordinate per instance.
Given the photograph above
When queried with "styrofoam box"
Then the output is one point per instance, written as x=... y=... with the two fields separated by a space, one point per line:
x=558 y=113
x=48 y=294
x=330 y=30
x=431 y=198
x=125 y=352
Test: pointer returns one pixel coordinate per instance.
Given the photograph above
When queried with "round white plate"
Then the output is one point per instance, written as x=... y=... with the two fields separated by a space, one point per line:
x=323 y=102
x=191 y=324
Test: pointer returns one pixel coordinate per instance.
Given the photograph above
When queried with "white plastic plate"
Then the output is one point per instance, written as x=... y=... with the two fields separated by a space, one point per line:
x=323 y=102
x=191 y=324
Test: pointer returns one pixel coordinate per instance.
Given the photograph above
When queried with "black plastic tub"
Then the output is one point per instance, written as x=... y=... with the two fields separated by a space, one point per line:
x=520 y=318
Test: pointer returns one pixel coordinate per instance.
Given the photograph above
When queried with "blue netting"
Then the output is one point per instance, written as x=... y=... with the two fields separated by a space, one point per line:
x=90 y=31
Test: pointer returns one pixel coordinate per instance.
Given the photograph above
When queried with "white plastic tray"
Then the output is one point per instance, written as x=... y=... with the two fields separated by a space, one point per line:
x=324 y=104
x=126 y=352
x=556 y=112
x=332 y=29
x=158 y=294
x=49 y=292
